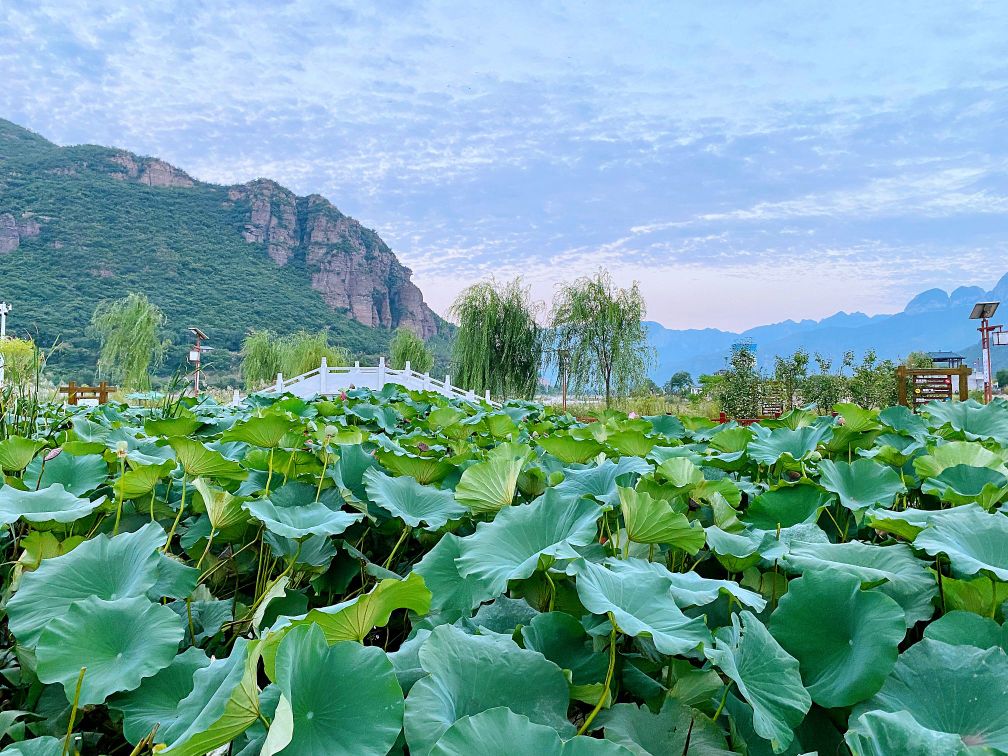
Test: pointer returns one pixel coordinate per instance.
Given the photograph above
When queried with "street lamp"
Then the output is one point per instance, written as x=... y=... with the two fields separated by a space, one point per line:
x=4 y=309
x=984 y=311
x=196 y=354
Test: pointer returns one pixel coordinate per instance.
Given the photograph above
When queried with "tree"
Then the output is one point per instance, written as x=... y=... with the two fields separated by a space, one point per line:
x=825 y=388
x=264 y=354
x=600 y=327
x=1001 y=376
x=790 y=373
x=130 y=333
x=405 y=347
x=873 y=384
x=20 y=359
x=740 y=391
x=679 y=384
x=498 y=345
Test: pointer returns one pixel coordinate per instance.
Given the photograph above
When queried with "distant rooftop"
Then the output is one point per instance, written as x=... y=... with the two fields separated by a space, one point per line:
x=951 y=359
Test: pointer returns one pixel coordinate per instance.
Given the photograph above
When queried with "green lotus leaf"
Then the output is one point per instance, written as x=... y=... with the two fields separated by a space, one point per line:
x=78 y=474
x=957 y=453
x=562 y=639
x=156 y=701
x=857 y=418
x=894 y=570
x=651 y=520
x=42 y=746
x=902 y=420
x=362 y=716
x=183 y=425
x=962 y=484
x=883 y=733
x=959 y=628
x=469 y=674
x=639 y=600
x=972 y=540
x=350 y=469
x=952 y=689
x=383 y=417
x=674 y=731
x=52 y=504
x=265 y=431
x=630 y=443
x=600 y=481
x=689 y=589
x=16 y=452
x=509 y=548
x=489 y=486
x=727 y=448
x=411 y=502
x=501 y=732
x=893 y=449
x=450 y=591
x=669 y=426
x=406 y=660
x=224 y=702
x=906 y=523
x=786 y=506
x=119 y=642
x=141 y=481
x=292 y=512
x=125 y=566
x=861 y=484
x=974 y=420
x=846 y=659
x=735 y=551
x=766 y=675
x=569 y=450
x=681 y=472
x=223 y=509
x=424 y=470
x=980 y=595
x=354 y=618
x=504 y=615
x=197 y=460
x=769 y=446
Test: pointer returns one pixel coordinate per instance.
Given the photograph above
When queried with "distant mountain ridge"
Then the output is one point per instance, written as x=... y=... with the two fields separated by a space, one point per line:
x=933 y=320
x=83 y=223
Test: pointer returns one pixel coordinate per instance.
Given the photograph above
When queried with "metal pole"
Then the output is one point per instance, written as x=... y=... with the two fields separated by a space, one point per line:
x=4 y=309
x=985 y=330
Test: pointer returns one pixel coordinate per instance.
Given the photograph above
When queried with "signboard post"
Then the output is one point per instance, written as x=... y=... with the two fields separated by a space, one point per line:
x=930 y=384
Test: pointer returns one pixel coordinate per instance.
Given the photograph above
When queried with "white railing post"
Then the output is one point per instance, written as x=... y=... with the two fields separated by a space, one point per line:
x=407 y=369
x=356 y=364
x=447 y=385
x=471 y=395
x=381 y=373
x=323 y=375
x=236 y=397
x=426 y=381
x=279 y=383
x=487 y=395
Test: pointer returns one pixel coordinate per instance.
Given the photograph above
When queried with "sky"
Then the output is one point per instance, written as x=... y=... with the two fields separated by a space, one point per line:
x=746 y=162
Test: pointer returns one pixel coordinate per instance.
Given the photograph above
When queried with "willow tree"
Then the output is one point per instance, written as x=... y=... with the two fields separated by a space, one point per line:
x=131 y=343
x=405 y=347
x=264 y=354
x=598 y=331
x=498 y=345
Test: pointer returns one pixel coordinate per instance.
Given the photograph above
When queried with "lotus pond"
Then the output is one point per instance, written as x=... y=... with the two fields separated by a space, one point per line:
x=399 y=573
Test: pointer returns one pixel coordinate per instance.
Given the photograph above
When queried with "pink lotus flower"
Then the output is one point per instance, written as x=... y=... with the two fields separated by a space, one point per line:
x=53 y=453
x=633 y=416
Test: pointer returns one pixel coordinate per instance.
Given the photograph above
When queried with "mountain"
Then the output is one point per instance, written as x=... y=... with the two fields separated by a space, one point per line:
x=84 y=223
x=934 y=320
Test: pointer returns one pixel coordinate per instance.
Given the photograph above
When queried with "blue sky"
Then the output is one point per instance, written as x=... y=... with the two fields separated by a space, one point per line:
x=745 y=161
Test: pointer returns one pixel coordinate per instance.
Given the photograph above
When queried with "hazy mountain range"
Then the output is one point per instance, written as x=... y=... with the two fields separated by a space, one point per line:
x=934 y=320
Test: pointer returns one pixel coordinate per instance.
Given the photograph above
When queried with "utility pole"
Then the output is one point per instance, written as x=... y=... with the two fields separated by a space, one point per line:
x=984 y=311
x=196 y=355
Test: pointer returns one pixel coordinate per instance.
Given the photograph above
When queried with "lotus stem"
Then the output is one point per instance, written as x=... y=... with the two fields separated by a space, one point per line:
x=395 y=548
x=122 y=470
x=721 y=705
x=325 y=464
x=207 y=549
x=73 y=712
x=552 y=585
x=269 y=475
x=178 y=517
x=608 y=678
x=192 y=630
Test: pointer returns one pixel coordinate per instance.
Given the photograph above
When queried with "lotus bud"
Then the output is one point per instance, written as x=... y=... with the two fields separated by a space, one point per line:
x=330 y=431
x=121 y=448
x=633 y=416
x=423 y=447
x=53 y=453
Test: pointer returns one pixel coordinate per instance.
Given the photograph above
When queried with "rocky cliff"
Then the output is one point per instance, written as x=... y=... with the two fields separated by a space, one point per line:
x=349 y=265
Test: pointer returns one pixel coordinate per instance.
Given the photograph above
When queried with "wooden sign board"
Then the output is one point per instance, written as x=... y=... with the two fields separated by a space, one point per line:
x=930 y=384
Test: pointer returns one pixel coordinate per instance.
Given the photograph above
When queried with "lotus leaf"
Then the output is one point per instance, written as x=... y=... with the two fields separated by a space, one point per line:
x=651 y=520
x=77 y=473
x=959 y=628
x=770 y=446
x=52 y=504
x=786 y=506
x=411 y=502
x=292 y=512
x=674 y=731
x=962 y=484
x=861 y=484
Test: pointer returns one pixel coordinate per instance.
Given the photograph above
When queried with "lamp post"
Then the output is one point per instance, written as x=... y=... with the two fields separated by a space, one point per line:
x=984 y=311
x=196 y=355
